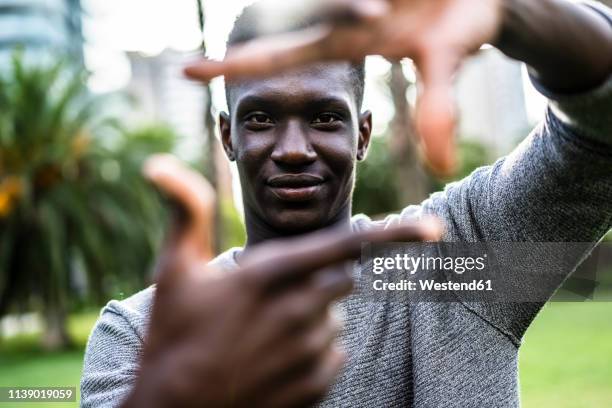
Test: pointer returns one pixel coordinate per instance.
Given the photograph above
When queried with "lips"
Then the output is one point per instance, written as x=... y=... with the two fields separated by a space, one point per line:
x=296 y=187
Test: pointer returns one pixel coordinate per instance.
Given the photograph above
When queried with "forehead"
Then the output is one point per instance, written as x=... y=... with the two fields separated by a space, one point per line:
x=315 y=82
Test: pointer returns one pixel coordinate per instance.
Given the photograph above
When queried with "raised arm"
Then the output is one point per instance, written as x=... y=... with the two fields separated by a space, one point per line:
x=567 y=46
x=557 y=185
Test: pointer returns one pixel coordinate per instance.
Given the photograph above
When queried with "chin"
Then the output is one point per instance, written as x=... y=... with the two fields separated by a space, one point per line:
x=298 y=221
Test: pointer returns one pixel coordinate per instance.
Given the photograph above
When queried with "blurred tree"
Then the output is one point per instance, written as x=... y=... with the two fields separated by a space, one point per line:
x=376 y=191
x=412 y=182
x=392 y=176
x=77 y=220
x=228 y=228
x=472 y=155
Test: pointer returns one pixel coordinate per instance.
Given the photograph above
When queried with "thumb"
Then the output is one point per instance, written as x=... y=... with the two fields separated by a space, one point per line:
x=351 y=11
x=190 y=237
x=435 y=114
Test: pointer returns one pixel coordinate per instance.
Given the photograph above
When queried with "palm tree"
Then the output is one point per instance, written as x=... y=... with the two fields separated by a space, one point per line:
x=77 y=221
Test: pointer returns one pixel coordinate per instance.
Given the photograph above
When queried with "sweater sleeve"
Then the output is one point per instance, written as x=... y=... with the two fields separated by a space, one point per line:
x=556 y=186
x=113 y=352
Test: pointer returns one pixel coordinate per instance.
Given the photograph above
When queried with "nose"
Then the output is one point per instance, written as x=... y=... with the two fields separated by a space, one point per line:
x=293 y=147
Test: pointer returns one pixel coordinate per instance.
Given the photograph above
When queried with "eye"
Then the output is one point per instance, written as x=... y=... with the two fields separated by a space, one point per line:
x=327 y=121
x=258 y=121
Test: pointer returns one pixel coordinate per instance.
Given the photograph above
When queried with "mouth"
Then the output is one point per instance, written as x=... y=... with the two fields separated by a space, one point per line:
x=296 y=187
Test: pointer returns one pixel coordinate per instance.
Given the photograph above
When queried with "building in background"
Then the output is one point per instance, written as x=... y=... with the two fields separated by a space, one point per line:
x=492 y=101
x=498 y=105
x=162 y=93
x=41 y=27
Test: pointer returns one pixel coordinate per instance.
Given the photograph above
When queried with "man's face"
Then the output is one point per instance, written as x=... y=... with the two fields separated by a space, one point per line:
x=295 y=139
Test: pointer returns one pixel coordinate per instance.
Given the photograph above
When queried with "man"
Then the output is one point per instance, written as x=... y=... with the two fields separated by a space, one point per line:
x=260 y=333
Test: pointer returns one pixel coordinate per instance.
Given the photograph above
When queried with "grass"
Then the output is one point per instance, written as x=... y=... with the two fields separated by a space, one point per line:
x=566 y=361
x=23 y=363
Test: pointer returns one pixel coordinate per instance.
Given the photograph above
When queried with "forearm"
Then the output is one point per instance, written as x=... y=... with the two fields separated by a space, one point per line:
x=568 y=47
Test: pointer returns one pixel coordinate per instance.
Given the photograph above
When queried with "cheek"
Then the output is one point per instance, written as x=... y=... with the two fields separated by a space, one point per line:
x=340 y=153
x=251 y=152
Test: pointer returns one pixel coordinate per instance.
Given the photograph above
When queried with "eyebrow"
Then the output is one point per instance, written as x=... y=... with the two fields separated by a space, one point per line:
x=273 y=101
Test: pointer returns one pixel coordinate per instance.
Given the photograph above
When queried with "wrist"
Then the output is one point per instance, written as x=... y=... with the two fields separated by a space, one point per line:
x=512 y=28
x=562 y=43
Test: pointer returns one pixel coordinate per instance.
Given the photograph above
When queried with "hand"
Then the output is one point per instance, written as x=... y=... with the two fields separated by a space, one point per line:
x=261 y=335
x=436 y=34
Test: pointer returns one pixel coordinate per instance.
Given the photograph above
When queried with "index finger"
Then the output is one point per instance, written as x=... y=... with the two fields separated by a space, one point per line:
x=189 y=238
x=276 y=51
x=300 y=256
x=436 y=116
x=264 y=56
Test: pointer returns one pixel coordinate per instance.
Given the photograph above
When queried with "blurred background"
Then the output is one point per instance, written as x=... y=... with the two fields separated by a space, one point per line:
x=90 y=88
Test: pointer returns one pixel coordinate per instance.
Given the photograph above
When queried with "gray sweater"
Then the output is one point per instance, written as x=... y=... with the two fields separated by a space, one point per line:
x=555 y=186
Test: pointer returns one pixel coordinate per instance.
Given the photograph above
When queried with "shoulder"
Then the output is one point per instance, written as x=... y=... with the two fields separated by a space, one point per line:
x=110 y=363
x=133 y=313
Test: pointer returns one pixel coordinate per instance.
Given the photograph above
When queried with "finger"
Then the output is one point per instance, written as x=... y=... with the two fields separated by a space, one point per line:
x=277 y=50
x=264 y=56
x=282 y=16
x=291 y=354
x=435 y=115
x=297 y=308
x=310 y=388
x=298 y=305
x=352 y=11
x=297 y=257
x=293 y=314
x=192 y=200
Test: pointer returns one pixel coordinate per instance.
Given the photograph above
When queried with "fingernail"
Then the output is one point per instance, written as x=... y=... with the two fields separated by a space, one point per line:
x=372 y=8
x=432 y=228
x=203 y=73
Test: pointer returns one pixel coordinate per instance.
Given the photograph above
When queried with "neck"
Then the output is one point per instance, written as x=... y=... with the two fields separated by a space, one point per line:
x=258 y=230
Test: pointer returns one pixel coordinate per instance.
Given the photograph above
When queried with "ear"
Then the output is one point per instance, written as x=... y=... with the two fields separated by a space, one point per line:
x=365 y=133
x=225 y=129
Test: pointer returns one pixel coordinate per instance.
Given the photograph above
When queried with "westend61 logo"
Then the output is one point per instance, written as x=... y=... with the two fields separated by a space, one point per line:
x=414 y=264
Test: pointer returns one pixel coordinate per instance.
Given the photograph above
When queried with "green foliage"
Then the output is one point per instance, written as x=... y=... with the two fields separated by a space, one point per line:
x=472 y=155
x=376 y=192
x=375 y=189
x=233 y=233
x=77 y=221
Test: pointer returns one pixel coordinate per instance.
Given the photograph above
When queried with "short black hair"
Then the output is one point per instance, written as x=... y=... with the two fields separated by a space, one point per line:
x=248 y=26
